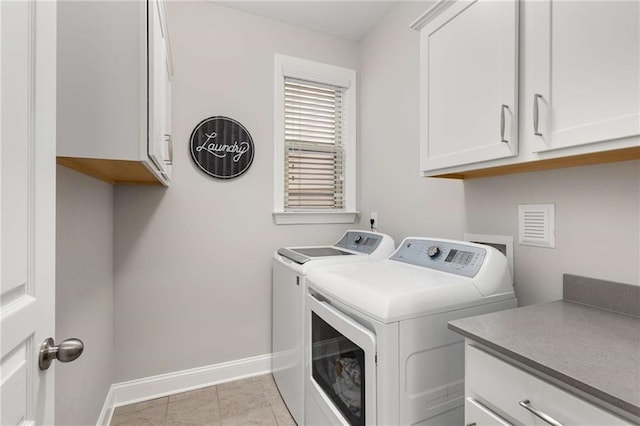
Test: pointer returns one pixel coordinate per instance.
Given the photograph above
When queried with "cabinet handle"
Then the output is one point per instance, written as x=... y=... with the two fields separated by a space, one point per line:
x=536 y=114
x=502 y=108
x=170 y=142
x=547 y=418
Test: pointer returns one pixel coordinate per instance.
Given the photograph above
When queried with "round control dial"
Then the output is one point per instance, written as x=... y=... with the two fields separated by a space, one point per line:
x=433 y=252
x=358 y=239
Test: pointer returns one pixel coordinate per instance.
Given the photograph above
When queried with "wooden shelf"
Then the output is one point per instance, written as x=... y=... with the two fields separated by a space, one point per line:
x=626 y=154
x=111 y=171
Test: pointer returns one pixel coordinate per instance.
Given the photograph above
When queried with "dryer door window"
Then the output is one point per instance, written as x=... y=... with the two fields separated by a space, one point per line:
x=338 y=367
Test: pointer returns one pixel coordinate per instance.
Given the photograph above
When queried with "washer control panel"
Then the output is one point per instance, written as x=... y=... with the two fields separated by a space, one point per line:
x=443 y=256
x=360 y=241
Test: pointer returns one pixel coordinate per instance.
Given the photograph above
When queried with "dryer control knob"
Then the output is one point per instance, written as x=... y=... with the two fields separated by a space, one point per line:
x=358 y=239
x=433 y=251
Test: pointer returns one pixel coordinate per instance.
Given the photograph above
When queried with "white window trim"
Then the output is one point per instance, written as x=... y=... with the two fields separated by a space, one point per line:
x=287 y=66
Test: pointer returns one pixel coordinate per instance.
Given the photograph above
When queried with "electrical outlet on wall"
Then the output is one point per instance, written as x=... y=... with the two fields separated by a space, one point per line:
x=373 y=220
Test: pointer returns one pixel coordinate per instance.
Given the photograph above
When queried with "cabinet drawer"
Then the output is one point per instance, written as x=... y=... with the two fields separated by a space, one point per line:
x=501 y=387
x=475 y=414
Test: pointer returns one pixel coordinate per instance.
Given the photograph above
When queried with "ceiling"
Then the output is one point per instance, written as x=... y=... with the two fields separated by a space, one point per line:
x=350 y=20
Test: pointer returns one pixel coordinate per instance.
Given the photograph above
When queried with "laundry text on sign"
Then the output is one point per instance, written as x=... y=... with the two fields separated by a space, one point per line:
x=213 y=148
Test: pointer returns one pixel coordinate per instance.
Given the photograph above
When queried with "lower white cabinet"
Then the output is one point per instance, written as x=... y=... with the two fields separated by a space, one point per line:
x=498 y=393
x=477 y=414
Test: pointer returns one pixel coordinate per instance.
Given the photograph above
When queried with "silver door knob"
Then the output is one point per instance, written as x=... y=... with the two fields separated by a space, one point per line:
x=66 y=351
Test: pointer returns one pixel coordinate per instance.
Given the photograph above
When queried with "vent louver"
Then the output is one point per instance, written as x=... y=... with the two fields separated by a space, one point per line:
x=536 y=225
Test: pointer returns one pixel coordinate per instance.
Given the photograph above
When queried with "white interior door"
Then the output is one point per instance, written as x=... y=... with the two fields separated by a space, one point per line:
x=27 y=207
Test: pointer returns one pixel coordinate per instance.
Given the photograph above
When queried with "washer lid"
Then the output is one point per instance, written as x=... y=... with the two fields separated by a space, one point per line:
x=372 y=244
x=302 y=255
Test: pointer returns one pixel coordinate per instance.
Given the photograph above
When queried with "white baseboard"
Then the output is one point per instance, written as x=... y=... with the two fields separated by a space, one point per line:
x=180 y=381
x=107 y=409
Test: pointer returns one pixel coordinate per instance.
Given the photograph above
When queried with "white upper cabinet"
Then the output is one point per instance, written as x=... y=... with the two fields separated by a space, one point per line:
x=114 y=90
x=160 y=149
x=468 y=82
x=575 y=99
x=586 y=72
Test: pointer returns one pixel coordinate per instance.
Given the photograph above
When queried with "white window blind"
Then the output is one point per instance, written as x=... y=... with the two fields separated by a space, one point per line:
x=313 y=145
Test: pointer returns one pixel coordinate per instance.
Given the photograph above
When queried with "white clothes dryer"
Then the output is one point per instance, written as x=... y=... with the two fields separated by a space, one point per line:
x=378 y=348
x=290 y=267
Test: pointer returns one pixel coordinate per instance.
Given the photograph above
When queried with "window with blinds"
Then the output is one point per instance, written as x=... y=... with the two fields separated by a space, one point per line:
x=313 y=145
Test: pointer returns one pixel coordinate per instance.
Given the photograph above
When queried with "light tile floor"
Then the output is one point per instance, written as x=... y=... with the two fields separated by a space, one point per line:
x=252 y=401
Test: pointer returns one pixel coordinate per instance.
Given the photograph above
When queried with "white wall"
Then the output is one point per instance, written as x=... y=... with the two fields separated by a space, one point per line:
x=193 y=262
x=597 y=216
x=407 y=205
x=84 y=294
x=597 y=207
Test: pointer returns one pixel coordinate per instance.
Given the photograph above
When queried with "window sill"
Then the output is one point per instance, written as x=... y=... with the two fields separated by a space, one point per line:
x=308 y=217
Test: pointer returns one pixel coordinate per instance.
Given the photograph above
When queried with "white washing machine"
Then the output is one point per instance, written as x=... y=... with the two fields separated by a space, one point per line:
x=290 y=267
x=378 y=348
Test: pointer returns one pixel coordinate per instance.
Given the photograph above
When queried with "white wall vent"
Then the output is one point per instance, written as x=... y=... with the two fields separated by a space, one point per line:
x=536 y=223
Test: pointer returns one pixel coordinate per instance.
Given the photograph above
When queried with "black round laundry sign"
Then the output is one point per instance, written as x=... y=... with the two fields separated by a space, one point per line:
x=221 y=147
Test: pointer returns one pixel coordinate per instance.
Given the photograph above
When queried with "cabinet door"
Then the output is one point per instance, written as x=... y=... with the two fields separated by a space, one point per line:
x=504 y=388
x=168 y=139
x=586 y=72
x=468 y=100
x=157 y=86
